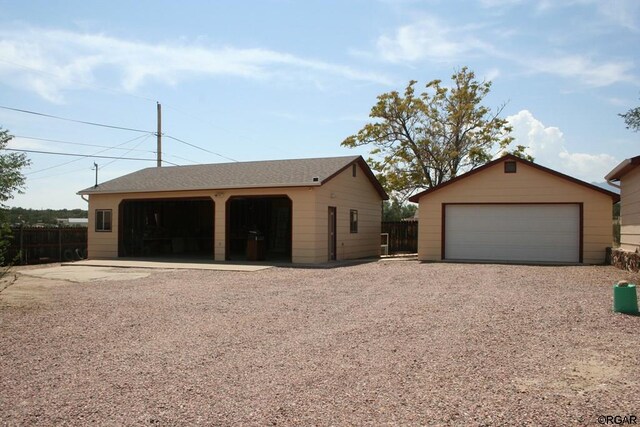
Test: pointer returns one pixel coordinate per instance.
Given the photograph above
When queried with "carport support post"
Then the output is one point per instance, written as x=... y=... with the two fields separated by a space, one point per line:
x=220 y=228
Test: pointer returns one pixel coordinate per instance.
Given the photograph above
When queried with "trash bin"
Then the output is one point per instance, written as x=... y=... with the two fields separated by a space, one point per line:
x=255 y=246
x=625 y=298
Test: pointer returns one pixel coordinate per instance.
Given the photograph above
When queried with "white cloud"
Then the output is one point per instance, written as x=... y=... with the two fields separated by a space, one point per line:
x=621 y=13
x=428 y=39
x=26 y=144
x=547 y=146
x=592 y=73
x=492 y=74
x=66 y=59
x=499 y=3
x=624 y=13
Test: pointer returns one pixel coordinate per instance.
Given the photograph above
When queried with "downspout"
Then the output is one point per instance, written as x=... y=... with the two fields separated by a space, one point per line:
x=86 y=200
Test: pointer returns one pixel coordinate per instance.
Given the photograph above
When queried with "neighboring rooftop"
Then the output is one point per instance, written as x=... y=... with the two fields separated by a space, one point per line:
x=623 y=168
x=416 y=197
x=261 y=174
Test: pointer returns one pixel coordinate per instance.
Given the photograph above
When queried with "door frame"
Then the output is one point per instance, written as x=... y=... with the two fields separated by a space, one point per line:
x=332 y=233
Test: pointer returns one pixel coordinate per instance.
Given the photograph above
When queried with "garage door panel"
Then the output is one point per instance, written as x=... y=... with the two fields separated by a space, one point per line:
x=536 y=233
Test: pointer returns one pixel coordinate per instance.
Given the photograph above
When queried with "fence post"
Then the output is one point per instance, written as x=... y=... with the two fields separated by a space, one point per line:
x=23 y=256
x=59 y=243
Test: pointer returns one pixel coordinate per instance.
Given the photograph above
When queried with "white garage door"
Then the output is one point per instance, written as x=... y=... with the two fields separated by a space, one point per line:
x=533 y=233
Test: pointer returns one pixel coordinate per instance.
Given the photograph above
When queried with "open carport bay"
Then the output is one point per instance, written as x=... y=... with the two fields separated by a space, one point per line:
x=384 y=343
x=167 y=228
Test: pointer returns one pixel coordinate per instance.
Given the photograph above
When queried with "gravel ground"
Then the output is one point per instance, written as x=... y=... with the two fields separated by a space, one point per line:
x=388 y=343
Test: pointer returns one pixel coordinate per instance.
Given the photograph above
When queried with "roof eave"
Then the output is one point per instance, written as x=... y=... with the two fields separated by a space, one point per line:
x=626 y=166
x=88 y=192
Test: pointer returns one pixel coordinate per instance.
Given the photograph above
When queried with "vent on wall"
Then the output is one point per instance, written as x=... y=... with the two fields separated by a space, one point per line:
x=510 y=167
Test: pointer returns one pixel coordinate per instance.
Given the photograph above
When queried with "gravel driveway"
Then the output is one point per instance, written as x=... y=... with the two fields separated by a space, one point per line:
x=387 y=343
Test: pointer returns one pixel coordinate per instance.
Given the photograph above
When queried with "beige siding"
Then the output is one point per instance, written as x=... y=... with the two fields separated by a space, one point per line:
x=630 y=210
x=309 y=218
x=105 y=244
x=102 y=244
x=302 y=221
x=347 y=192
x=528 y=185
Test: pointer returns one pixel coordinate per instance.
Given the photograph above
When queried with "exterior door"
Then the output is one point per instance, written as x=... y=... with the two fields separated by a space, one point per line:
x=332 y=233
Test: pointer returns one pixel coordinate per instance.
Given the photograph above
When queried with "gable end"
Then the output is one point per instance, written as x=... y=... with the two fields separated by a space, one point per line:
x=510 y=157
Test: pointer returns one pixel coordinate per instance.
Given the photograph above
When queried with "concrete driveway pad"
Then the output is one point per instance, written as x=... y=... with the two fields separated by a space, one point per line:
x=169 y=264
x=86 y=273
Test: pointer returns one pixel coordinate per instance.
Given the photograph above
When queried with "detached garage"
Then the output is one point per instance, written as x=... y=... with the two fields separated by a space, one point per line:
x=294 y=210
x=513 y=210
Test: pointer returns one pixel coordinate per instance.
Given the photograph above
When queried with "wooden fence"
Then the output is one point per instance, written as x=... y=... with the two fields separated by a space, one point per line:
x=36 y=245
x=403 y=236
x=39 y=245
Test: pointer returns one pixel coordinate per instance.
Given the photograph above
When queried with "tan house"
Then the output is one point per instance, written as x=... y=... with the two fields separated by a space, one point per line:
x=303 y=211
x=513 y=210
x=626 y=176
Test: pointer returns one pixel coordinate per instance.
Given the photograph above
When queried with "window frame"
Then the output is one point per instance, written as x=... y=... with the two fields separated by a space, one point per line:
x=353 y=221
x=100 y=223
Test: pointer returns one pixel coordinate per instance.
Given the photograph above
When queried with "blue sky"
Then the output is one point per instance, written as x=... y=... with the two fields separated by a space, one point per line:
x=253 y=80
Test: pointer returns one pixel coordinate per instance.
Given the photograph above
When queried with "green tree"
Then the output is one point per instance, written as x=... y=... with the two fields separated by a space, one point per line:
x=632 y=119
x=422 y=140
x=46 y=216
x=11 y=164
x=396 y=211
x=11 y=181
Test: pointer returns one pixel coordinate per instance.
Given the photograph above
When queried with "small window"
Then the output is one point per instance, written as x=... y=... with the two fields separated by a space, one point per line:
x=354 y=168
x=103 y=220
x=509 y=167
x=353 y=220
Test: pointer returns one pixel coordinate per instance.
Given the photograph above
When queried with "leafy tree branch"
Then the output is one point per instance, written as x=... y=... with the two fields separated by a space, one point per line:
x=422 y=140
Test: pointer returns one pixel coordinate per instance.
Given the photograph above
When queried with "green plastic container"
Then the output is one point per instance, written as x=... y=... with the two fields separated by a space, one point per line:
x=625 y=299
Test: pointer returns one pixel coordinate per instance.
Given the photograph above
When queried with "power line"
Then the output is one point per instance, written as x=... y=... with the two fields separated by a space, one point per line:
x=80 y=143
x=182 y=158
x=90 y=155
x=199 y=148
x=116 y=92
x=76 y=171
x=78 y=155
x=128 y=151
x=114 y=127
x=244 y=136
x=58 y=174
x=75 y=121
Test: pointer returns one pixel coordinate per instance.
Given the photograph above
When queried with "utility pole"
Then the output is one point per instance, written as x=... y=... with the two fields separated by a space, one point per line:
x=95 y=165
x=159 y=134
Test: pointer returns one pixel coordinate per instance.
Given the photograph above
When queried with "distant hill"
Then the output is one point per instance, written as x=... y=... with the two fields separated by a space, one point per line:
x=41 y=216
x=606 y=186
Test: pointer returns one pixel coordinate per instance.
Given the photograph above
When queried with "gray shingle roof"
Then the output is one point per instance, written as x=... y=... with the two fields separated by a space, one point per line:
x=261 y=174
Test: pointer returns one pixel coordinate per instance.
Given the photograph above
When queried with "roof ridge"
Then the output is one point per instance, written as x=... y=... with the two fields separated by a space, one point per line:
x=255 y=161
